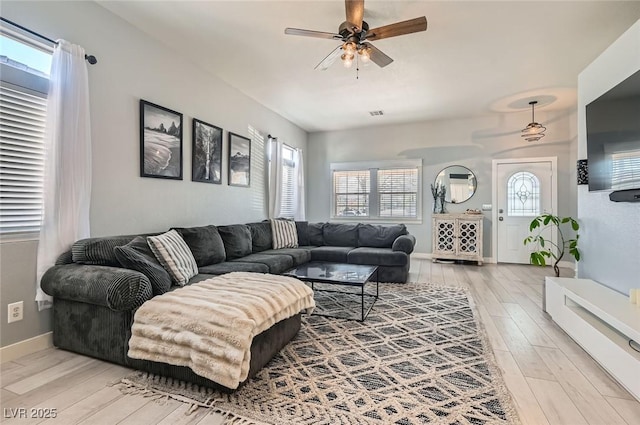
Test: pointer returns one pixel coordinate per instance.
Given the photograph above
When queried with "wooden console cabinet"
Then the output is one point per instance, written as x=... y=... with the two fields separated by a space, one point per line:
x=457 y=237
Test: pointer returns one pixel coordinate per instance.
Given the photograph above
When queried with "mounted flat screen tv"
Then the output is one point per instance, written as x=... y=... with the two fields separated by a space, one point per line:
x=613 y=137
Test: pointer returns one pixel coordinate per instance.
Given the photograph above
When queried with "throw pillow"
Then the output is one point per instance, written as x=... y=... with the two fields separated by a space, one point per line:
x=136 y=255
x=261 y=239
x=174 y=255
x=205 y=244
x=315 y=234
x=237 y=240
x=285 y=234
x=303 y=233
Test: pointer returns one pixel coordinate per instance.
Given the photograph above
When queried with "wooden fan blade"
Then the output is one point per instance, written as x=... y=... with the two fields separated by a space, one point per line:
x=310 y=33
x=330 y=59
x=355 y=12
x=377 y=56
x=399 y=28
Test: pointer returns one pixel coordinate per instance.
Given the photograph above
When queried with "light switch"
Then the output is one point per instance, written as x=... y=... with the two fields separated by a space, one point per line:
x=486 y=207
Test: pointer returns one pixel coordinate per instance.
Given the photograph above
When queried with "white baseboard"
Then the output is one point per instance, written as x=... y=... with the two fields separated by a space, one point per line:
x=28 y=346
x=427 y=256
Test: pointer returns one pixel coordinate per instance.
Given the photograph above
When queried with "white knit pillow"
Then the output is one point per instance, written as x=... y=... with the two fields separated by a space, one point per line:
x=174 y=255
x=285 y=234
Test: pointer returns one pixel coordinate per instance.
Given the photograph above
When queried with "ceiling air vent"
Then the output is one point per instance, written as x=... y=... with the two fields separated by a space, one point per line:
x=376 y=113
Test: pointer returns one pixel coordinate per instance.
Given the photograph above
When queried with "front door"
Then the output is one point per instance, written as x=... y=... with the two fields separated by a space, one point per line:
x=524 y=191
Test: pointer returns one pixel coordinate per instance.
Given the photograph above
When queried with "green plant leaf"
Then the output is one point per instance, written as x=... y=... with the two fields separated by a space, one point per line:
x=542 y=242
x=547 y=219
x=566 y=219
x=574 y=225
x=534 y=224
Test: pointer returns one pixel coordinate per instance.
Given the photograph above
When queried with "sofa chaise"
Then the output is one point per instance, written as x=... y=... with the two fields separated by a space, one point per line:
x=96 y=295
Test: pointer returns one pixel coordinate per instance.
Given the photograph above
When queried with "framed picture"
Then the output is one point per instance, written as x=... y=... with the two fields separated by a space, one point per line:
x=206 y=160
x=160 y=142
x=239 y=160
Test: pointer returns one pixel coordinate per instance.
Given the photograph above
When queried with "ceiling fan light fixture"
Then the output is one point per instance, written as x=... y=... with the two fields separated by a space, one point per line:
x=347 y=60
x=533 y=131
x=349 y=47
x=365 y=54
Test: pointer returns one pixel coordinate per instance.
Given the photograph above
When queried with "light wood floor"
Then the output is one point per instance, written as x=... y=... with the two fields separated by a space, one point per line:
x=551 y=379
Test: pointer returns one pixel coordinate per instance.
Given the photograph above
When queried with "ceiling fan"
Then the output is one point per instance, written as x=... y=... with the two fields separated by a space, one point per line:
x=355 y=36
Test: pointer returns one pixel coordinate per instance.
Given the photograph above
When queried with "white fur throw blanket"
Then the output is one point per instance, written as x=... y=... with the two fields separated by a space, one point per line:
x=209 y=326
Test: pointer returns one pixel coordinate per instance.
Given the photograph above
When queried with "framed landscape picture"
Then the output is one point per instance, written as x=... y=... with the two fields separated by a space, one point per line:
x=206 y=164
x=160 y=142
x=239 y=160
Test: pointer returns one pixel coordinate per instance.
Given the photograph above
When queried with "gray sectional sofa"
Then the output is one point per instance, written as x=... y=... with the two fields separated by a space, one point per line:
x=97 y=289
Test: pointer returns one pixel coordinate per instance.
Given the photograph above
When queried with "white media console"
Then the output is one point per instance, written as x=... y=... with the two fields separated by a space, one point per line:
x=602 y=321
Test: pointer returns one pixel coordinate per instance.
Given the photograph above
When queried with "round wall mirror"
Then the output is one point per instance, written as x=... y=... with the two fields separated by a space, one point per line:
x=459 y=181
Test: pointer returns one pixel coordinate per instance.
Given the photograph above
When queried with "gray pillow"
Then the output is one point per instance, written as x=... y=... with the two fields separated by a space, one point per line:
x=261 y=238
x=315 y=234
x=237 y=240
x=335 y=234
x=303 y=233
x=205 y=244
x=136 y=255
x=379 y=236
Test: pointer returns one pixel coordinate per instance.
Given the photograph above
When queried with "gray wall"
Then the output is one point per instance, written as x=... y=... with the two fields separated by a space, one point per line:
x=472 y=142
x=609 y=236
x=133 y=66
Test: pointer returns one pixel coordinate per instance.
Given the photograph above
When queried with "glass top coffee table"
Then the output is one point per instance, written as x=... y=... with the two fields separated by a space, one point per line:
x=338 y=274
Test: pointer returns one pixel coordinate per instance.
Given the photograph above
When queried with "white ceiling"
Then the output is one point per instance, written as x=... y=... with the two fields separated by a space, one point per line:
x=475 y=58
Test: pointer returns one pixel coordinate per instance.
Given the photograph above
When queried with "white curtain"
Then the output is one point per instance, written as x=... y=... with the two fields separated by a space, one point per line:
x=298 y=192
x=275 y=177
x=67 y=165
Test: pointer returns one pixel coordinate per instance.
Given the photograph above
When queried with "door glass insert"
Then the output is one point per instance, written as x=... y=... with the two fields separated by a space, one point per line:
x=523 y=195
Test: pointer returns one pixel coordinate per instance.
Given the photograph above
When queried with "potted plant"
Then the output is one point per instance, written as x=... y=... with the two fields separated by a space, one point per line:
x=545 y=248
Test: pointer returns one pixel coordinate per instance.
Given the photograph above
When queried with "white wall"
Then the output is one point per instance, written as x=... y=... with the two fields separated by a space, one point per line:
x=609 y=235
x=132 y=66
x=472 y=142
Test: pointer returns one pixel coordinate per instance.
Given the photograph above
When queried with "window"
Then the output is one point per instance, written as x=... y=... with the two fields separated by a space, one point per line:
x=523 y=195
x=258 y=171
x=287 y=198
x=377 y=191
x=398 y=192
x=24 y=68
x=351 y=193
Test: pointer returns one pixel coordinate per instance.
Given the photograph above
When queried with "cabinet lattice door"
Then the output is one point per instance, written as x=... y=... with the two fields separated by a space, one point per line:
x=457 y=237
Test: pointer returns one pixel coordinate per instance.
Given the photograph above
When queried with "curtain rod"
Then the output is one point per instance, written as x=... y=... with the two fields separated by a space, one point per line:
x=289 y=146
x=89 y=58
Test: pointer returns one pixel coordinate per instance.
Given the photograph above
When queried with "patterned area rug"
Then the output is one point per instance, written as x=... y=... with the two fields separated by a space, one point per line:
x=421 y=357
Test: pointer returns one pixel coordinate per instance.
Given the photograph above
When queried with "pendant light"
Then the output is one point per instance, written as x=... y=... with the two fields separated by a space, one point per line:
x=533 y=131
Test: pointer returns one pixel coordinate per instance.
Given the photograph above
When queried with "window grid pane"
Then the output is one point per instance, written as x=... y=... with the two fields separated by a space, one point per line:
x=21 y=160
x=397 y=193
x=351 y=193
x=523 y=195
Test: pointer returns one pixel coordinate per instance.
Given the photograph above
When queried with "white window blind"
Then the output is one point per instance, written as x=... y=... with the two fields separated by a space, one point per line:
x=398 y=193
x=287 y=207
x=22 y=122
x=258 y=171
x=351 y=193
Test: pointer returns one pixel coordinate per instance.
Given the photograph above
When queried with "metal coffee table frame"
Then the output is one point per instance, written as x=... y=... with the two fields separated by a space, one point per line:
x=342 y=282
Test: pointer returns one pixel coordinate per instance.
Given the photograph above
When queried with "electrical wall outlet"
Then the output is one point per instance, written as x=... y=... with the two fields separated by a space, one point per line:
x=15 y=312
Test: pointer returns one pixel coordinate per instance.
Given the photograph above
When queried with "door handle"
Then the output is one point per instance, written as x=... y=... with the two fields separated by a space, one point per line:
x=500 y=218
x=500 y=210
